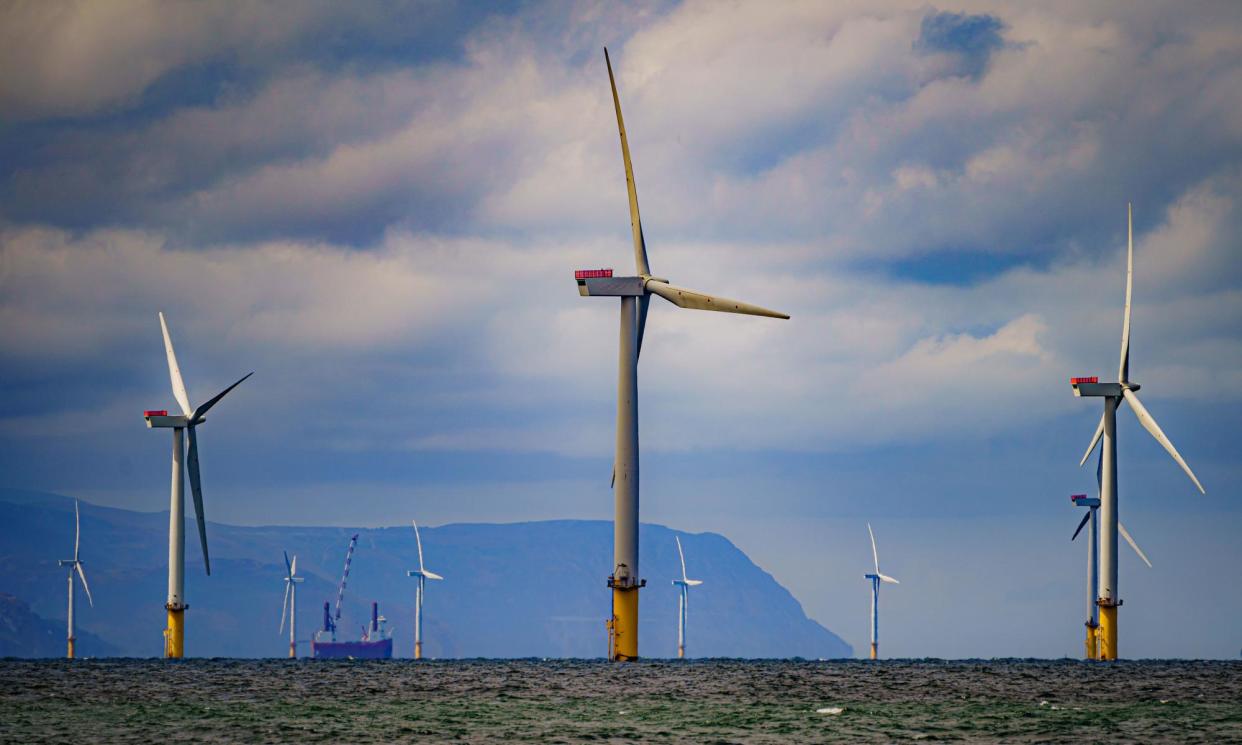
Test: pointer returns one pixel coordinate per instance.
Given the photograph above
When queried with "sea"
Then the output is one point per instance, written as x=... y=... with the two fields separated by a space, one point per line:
x=559 y=701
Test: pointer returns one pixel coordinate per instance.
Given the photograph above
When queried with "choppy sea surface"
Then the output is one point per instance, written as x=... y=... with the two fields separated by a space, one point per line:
x=579 y=701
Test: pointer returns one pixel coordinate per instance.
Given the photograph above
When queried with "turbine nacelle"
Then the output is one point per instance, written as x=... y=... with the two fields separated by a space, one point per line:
x=1092 y=387
x=161 y=418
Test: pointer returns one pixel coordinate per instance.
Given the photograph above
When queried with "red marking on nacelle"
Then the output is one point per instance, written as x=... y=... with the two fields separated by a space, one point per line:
x=592 y=273
x=1092 y=379
x=161 y=412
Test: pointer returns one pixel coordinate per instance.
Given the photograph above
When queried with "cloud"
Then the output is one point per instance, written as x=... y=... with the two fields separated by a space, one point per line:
x=77 y=58
x=849 y=126
x=481 y=344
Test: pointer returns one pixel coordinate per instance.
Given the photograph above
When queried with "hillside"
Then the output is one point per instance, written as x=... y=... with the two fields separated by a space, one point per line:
x=513 y=590
x=25 y=634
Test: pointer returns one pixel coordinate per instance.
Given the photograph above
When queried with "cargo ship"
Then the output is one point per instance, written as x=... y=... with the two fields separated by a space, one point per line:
x=376 y=641
x=375 y=644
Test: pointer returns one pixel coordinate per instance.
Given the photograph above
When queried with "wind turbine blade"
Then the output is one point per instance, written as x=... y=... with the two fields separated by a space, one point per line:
x=284 y=608
x=201 y=410
x=1123 y=369
x=91 y=600
x=888 y=579
x=644 y=303
x=694 y=582
x=1099 y=432
x=293 y=569
x=196 y=488
x=683 y=558
x=636 y=222
x=1126 y=534
x=1149 y=423
x=431 y=575
x=174 y=371
x=1082 y=523
x=693 y=300
x=77 y=529
x=1099 y=475
x=419 y=539
x=874 y=554
x=288 y=566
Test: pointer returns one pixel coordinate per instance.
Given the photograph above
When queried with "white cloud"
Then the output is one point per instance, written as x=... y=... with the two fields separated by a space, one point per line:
x=497 y=329
x=75 y=58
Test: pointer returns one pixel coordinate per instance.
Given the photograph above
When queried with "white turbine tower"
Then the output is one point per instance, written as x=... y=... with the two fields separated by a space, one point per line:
x=290 y=608
x=635 y=294
x=683 y=600
x=876 y=579
x=75 y=566
x=1093 y=552
x=174 y=633
x=1114 y=395
x=423 y=575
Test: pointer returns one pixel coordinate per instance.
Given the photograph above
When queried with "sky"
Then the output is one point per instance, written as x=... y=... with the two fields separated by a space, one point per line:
x=377 y=207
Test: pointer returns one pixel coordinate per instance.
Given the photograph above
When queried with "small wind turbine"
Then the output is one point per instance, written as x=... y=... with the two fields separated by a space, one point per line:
x=683 y=600
x=75 y=565
x=1114 y=394
x=174 y=633
x=635 y=294
x=876 y=579
x=1093 y=552
x=290 y=608
x=423 y=575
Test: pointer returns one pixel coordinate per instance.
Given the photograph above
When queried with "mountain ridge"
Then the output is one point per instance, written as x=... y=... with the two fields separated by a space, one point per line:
x=525 y=589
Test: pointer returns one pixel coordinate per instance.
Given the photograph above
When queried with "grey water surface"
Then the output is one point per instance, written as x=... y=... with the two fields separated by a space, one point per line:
x=581 y=701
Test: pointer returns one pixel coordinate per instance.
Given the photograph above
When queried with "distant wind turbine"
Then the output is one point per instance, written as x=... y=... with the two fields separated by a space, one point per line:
x=635 y=293
x=423 y=575
x=75 y=566
x=174 y=633
x=1114 y=394
x=1093 y=552
x=683 y=600
x=876 y=579
x=290 y=609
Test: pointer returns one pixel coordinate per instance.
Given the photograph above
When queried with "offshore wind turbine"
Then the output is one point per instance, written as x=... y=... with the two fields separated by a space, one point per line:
x=876 y=579
x=1090 y=520
x=635 y=294
x=75 y=566
x=423 y=575
x=290 y=607
x=174 y=632
x=683 y=600
x=1114 y=395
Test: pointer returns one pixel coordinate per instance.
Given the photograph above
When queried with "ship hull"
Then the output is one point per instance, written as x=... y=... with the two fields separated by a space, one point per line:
x=380 y=649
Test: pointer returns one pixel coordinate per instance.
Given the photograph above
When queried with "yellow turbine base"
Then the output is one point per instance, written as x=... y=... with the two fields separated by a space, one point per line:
x=1091 y=644
x=1108 y=632
x=874 y=652
x=625 y=624
x=174 y=635
x=293 y=651
x=418 y=650
x=71 y=641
